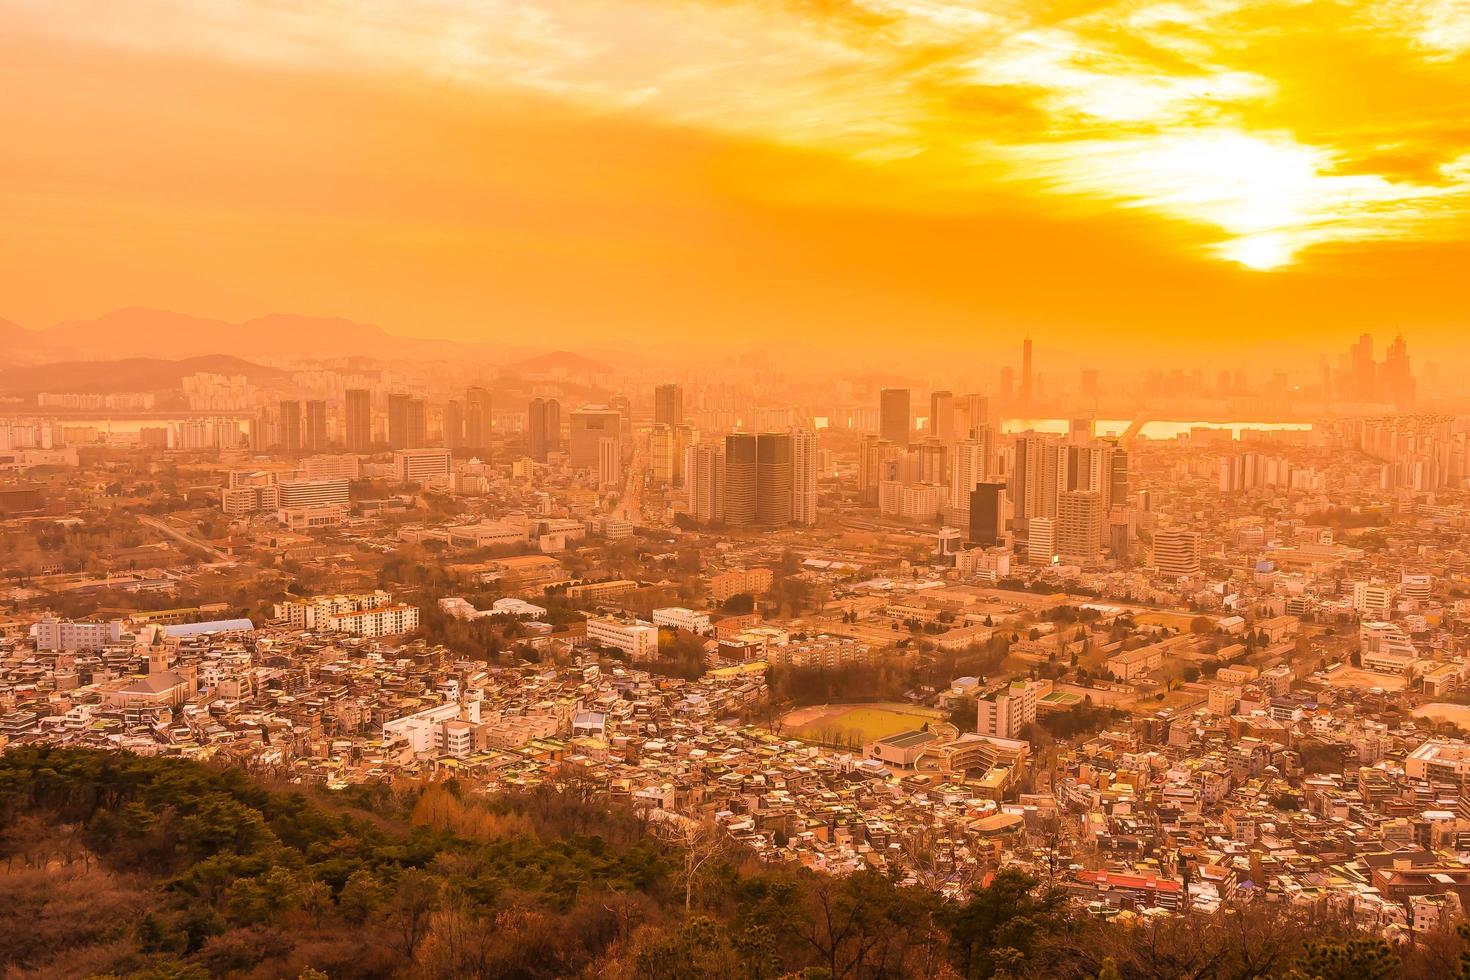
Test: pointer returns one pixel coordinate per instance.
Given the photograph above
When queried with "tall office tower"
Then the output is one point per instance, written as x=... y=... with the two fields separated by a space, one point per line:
x=610 y=461
x=359 y=420
x=590 y=425
x=804 y=476
x=704 y=469
x=684 y=437
x=972 y=413
x=543 y=428
x=1398 y=378
x=477 y=421
x=661 y=453
x=668 y=405
x=873 y=452
x=454 y=424
x=1176 y=552
x=1364 y=369
x=1117 y=476
x=894 y=417
x=740 y=478
x=418 y=423
x=987 y=513
x=1028 y=389
x=1080 y=526
x=773 y=478
x=966 y=470
x=942 y=415
x=931 y=458
x=1079 y=429
x=1041 y=540
x=1038 y=474
x=291 y=426
x=314 y=435
x=398 y=421
x=624 y=408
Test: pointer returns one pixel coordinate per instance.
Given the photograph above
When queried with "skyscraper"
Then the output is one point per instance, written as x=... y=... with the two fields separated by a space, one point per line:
x=894 y=416
x=291 y=426
x=1176 y=552
x=1027 y=380
x=543 y=428
x=986 y=513
x=740 y=478
x=973 y=412
x=590 y=424
x=661 y=453
x=359 y=420
x=967 y=470
x=477 y=421
x=1041 y=540
x=804 y=476
x=942 y=416
x=704 y=468
x=314 y=435
x=773 y=478
x=1080 y=526
x=873 y=452
x=454 y=424
x=408 y=423
x=668 y=405
x=1038 y=474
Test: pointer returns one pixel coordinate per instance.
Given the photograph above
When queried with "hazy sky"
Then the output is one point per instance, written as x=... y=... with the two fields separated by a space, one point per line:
x=1184 y=172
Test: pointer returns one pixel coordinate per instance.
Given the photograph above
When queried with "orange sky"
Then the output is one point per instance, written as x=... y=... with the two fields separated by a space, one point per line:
x=1186 y=172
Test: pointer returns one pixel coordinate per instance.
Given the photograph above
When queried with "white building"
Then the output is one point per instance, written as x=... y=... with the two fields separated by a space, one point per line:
x=637 y=639
x=685 y=619
x=382 y=621
x=430 y=467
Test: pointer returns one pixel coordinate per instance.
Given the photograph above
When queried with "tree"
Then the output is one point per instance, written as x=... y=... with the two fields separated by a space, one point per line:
x=1006 y=915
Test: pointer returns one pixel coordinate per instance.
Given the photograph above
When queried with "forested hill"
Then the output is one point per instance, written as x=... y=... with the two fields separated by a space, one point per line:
x=116 y=865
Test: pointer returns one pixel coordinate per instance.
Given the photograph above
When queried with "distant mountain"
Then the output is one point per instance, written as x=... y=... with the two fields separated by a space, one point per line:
x=21 y=346
x=125 y=374
x=559 y=361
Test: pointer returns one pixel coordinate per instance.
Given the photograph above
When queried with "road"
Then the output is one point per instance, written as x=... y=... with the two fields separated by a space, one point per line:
x=189 y=541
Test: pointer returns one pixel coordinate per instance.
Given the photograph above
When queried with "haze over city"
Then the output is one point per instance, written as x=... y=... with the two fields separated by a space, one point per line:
x=806 y=489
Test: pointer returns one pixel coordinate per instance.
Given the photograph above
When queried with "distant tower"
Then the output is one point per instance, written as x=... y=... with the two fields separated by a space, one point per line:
x=804 y=476
x=359 y=420
x=477 y=418
x=941 y=415
x=668 y=405
x=454 y=424
x=315 y=433
x=1028 y=389
x=291 y=426
x=895 y=420
x=773 y=478
x=740 y=478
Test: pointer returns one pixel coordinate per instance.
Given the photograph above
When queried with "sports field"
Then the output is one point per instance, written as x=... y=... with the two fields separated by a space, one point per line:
x=856 y=724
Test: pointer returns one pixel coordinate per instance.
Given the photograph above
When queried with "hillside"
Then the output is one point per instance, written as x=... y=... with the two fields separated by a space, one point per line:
x=151 y=868
x=126 y=374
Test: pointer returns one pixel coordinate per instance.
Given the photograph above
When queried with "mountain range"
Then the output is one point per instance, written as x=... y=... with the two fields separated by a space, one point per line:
x=139 y=332
x=125 y=374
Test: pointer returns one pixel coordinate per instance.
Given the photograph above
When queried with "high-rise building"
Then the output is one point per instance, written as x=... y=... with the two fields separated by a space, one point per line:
x=873 y=453
x=704 y=468
x=590 y=425
x=454 y=424
x=895 y=419
x=314 y=434
x=968 y=468
x=408 y=422
x=543 y=428
x=987 y=513
x=1117 y=476
x=661 y=453
x=610 y=461
x=740 y=478
x=1080 y=516
x=291 y=426
x=1176 y=552
x=477 y=420
x=773 y=478
x=1007 y=713
x=972 y=415
x=1041 y=540
x=1038 y=475
x=930 y=462
x=942 y=416
x=684 y=437
x=804 y=476
x=1028 y=390
x=668 y=405
x=359 y=420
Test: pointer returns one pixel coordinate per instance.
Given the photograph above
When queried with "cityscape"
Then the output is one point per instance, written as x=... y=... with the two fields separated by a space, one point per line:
x=749 y=491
